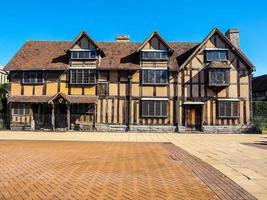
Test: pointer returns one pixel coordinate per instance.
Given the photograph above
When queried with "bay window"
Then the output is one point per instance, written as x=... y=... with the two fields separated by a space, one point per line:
x=218 y=77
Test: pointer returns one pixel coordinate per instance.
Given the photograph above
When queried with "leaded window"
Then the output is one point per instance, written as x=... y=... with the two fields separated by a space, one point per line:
x=83 y=54
x=82 y=109
x=228 y=109
x=151 y=76
x=102 y=89
x=21 y=109
x=82 y=76
x=154 y=55
x=219 y=76
x=33 y=77
x=154 y=108
x=216 y=55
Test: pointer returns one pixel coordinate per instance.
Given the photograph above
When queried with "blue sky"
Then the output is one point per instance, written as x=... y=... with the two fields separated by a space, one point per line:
x=103 y=20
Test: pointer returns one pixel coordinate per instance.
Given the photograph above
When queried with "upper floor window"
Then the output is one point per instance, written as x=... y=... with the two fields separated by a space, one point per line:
x=21 y=109
x=83 y=54
x=228 y=109
x=218 y=77
x=153 y=76
x=33 y=77
x=82 y=76
x=154 y=55
x=154 y=108
x=216 y=55
x=102 y=89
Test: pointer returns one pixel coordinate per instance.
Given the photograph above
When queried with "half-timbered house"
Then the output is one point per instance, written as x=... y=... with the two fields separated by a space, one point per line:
x=153 y=85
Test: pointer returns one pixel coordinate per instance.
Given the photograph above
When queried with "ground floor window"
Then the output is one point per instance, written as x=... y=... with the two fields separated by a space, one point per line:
x=228 y=109
x=21 y=109
x=82 y=109
x=154 y=108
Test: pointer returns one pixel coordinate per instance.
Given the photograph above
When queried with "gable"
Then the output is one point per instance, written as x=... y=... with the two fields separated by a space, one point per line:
x=84 y=43
x=155 y=42
x=217 y=40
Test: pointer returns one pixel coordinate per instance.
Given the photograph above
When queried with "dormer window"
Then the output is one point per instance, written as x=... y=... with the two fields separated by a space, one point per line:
x=83 y=54
x=216 y=55
x=154 y=55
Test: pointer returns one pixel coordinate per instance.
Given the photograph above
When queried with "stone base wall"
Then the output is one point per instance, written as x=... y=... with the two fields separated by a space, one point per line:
x=154 y=128
x=140 y=128
x=20 y=127
x=110 y=128
x=82 y=127
x=223 y=129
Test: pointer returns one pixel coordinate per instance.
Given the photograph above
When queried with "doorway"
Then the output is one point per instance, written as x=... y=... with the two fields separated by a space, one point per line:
x=193 y=117
x=61 y=116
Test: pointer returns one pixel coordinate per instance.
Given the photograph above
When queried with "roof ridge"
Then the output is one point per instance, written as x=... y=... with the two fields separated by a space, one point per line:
x=260 y=76
x=48 y=41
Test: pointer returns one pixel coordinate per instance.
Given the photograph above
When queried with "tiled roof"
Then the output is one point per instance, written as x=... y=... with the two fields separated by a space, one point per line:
x=47 y=99
x=259 y=83
x=45 y=55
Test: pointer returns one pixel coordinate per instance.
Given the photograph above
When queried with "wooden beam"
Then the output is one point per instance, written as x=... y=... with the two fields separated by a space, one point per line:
x=53 y=117
x=68 y=116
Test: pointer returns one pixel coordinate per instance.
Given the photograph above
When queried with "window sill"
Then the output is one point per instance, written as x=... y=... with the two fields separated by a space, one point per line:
x=161 y=59
x=81 y=84
x=84 y=58
x=219 y=85
x=236 y=117
x=23 y=83
x=155 y=84
x=156 y=117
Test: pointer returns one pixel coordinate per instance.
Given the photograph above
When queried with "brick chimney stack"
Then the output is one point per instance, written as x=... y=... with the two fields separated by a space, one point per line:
x=123 y=38
x=233 y=35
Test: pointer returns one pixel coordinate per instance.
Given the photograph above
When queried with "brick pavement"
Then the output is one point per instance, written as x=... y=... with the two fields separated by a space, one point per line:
x=244 y=164
x=106 y=170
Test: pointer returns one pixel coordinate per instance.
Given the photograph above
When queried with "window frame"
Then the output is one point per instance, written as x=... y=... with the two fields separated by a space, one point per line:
x=154 y=76
x=35 y=78
x=157 y=55
x=153 y=103
x=231 y=111
x=22 y=109
x=106 y=93
x=75 y=110
x=225 y=71
x=79 y=51
x=216 y=50
x=83 y=77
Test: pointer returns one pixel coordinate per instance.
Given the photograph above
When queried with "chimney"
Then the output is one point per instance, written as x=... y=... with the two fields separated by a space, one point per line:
x=123 y=38
x=233 y=35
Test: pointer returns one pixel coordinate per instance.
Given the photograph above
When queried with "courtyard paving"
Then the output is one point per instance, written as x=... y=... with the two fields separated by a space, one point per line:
x=245 y=164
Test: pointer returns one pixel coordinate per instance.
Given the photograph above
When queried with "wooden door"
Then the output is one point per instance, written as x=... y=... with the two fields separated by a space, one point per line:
x=193 y=117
